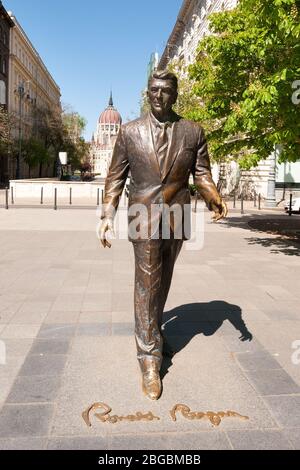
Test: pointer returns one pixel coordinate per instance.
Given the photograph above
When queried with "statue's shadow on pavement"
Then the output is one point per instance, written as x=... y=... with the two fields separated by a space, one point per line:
x=182 y=323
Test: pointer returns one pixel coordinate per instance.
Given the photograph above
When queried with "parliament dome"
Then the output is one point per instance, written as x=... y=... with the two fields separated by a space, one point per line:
x=110 y=115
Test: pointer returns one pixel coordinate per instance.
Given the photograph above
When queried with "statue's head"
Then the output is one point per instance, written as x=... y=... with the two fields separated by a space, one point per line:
x=162 y=93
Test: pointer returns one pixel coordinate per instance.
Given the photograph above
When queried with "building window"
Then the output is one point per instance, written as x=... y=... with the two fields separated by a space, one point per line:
x=2 y=92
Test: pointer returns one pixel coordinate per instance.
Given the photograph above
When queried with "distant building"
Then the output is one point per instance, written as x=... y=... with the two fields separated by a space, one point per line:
x=152 y=66
x=104 y=139
x=6 y=24
x=191 y=26
x=31 y=86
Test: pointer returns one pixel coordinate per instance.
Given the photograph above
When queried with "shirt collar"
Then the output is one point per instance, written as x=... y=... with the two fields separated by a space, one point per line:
x=159 y=124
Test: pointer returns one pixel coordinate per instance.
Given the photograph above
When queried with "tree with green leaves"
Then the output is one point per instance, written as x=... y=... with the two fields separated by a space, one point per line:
x=47 y=134
x=244 y=75
x=74 y=124
x=187 y=100
x=34 y=153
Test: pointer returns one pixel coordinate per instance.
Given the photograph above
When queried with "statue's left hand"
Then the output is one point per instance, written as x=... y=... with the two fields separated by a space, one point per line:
x=220 y=209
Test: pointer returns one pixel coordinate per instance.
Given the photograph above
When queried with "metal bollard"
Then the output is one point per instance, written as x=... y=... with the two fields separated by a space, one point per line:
x=98 y=197
x=290 y=205
x=70 y=196
x=12 y=195
x=234 y=199
x=254 y=198
x=6 y=198
x=42 y=195
x=55 y=199
x=242 y=203
x=102 y=196
x=259 y=202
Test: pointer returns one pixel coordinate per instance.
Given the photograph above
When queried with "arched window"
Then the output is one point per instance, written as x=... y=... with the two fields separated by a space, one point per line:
x=2 y=92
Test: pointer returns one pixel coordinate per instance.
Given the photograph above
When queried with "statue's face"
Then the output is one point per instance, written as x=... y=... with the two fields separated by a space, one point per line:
x=162 y=95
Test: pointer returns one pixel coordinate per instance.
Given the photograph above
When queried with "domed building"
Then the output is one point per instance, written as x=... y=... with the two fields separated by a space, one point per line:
x=104 y=139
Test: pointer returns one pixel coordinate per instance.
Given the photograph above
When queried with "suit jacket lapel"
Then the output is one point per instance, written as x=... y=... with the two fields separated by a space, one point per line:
x=175 y=145
x=148 y=145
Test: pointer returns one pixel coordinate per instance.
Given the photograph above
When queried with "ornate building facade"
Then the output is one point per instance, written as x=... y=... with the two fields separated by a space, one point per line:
x=191 y=26
x=104 y=139
x=31 y=87
x=6 y=24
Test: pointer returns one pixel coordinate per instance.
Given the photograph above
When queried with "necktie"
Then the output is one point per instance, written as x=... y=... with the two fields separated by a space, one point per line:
x=162 y=143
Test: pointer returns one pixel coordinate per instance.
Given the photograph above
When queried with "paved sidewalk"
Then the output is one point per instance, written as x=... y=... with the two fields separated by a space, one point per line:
x=66 y=321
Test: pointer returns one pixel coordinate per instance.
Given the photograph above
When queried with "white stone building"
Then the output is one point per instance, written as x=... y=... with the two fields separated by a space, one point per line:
x=191 y=26
x=104 y=139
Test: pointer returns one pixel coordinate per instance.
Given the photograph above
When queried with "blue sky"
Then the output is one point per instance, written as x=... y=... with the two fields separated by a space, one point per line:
x=92 y=45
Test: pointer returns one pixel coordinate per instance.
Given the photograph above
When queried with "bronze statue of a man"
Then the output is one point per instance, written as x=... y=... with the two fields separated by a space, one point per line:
x=160 y=150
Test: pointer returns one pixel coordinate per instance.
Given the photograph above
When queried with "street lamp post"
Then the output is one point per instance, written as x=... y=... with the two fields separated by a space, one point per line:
x=22 y=94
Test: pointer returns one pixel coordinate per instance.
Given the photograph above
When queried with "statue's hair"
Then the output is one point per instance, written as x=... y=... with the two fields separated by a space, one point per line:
x=164 y=75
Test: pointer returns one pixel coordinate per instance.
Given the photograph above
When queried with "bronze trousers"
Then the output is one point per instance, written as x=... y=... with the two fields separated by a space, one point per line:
x=154 y=264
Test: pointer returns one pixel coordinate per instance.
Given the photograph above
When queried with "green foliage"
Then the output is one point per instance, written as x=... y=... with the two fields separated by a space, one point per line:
x=74 y=125
x=187 y=101
x=78 y=152
x=243 y=77
x=144 y=103
x=4 y=126
x=7 y=121
x=193 y=189
x=34 y=153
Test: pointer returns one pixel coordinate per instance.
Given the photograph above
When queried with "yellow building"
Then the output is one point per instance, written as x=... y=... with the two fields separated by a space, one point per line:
x=31 y=87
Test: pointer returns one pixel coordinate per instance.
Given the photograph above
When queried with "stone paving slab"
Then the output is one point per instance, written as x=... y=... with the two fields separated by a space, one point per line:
x=293 y=435
x=285 y=409
x=78 y=443
x=43 y=364
x=25 y=443
x=210 y=440
x=269 y=382
x=25 y=420
x=259 y=440
x=38 y=389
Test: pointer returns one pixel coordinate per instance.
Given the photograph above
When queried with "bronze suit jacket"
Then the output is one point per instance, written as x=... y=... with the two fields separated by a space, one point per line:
x=152 y=185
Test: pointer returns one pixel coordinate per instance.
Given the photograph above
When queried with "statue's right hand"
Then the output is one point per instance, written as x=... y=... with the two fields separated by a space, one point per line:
x=107 y=225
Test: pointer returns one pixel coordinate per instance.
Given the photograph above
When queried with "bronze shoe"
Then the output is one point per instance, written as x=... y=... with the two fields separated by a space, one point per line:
x=151 y=384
